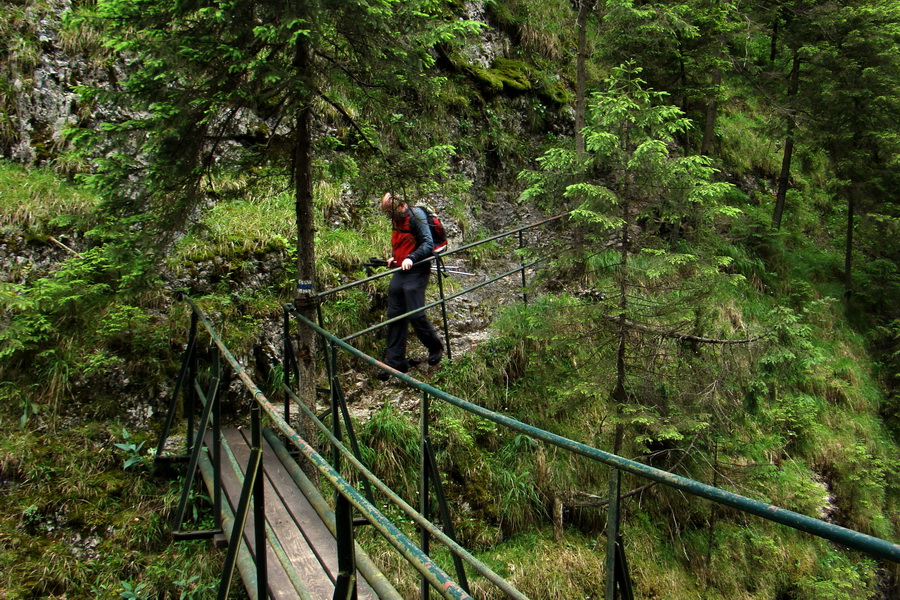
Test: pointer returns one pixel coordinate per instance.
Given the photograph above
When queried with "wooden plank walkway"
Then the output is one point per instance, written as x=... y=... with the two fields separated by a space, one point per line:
x=299 y=530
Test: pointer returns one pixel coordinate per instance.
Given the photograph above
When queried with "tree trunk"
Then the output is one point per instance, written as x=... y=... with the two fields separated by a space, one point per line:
x=712 y=113
x=620 y=394
x=773 y=41
x=306 y=258
x=581 y=59
x=848 y=249
x=785 y=176
x=619 y=397
x=558 y=530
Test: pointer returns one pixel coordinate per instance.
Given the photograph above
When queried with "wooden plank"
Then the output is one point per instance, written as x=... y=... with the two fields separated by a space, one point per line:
x=302 y=555
x=307 y=542
x=300 y=514
x=279 y=583
x=308 y=520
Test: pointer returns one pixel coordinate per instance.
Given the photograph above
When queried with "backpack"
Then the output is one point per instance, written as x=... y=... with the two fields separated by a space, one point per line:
x=437 y=231
x=438 y=236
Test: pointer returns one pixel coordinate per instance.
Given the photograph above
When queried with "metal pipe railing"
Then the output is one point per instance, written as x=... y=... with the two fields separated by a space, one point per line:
x=411 y=512
x=376 y=579
x=877 y=547
x=498 y=236
x=436 y=302
x=438 y=579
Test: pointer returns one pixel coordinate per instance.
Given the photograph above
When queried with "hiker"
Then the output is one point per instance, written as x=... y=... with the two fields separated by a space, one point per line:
x=411 y=243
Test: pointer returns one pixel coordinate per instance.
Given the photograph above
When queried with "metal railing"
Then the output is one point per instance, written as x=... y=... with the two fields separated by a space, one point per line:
x=618 y=579
x=429 y=478
x=437 y=260
x=348 y=499
x=873 y=546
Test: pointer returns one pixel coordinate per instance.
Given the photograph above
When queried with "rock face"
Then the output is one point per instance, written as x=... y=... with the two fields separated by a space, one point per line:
x=45 y=101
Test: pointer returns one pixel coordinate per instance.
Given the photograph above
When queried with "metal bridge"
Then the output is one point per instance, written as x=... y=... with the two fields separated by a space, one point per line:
x=284 y=537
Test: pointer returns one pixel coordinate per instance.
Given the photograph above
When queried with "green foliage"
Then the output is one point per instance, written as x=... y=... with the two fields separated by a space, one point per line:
x=390 y=447
x=628 y=135
x=92 y=524
x=133 y=451
x=20 y=52
x=37 y=201
x=748 y=149
x=797 y=417
x=134 y=592
x=540 y=27
x=70 y=299
x=199 y=64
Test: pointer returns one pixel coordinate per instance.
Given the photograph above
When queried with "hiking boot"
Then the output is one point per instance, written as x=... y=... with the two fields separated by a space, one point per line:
x=436 y=356
x=384 y=375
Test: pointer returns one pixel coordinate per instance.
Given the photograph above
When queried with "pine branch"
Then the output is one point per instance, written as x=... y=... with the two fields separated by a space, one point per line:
x=351 y=121
x=680 y=336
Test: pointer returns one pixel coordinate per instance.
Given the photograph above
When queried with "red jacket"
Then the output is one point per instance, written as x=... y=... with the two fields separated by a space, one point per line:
x=411 y=237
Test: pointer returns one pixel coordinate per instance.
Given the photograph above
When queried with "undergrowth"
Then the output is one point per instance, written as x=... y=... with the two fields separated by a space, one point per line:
x=78 y=521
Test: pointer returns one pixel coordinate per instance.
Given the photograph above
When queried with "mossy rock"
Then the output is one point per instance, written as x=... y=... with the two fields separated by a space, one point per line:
x=513 y=73
x=505 y=74
x=485 y=79
x=557 y=93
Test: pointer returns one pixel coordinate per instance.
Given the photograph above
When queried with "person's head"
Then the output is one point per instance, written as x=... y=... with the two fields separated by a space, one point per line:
x=391 y=206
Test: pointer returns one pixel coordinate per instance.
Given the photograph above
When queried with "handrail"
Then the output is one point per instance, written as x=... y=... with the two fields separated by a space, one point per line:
x=874 y=546
x=418 y=559
x=404 y=506
x=353 y=284
x=436 y=302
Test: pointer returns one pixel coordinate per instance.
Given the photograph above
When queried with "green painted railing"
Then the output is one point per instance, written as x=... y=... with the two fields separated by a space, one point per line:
x=348 y=498
x=874 y=546
x=430 y=571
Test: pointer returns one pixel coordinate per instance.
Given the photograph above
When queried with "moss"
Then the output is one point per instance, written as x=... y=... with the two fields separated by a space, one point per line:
x=485 y=79
x=505 y=75
x=513 y=73
x=557 y=93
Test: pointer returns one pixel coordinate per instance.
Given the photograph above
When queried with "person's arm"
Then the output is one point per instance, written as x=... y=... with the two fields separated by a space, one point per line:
x=418 y=225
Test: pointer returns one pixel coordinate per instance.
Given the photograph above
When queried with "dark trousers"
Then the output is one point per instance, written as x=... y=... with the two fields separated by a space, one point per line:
x=406 y=293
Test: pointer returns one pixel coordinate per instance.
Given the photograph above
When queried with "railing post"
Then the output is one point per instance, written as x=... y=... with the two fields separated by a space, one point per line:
x=287 y=362
x=182 y=381
x=424 y=474
x=216 y=449
x=445 y=513
x=345 y=586
x=335 y=408
x=197 y=447
x=331 y=356
x=248 y=490
x=351 y=435
x=439 y=263
x=259 y=507
x=190 y=400
x=612 y=533
x=522 y=262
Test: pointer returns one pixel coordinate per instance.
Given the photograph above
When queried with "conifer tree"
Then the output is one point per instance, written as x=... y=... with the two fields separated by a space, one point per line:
x=854 y=106
x=216 y=87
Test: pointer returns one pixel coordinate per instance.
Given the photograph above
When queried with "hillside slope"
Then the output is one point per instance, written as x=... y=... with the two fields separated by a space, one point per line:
x=756 y=358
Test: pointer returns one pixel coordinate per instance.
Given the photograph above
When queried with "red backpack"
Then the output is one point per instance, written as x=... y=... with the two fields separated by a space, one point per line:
x=437 y=231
